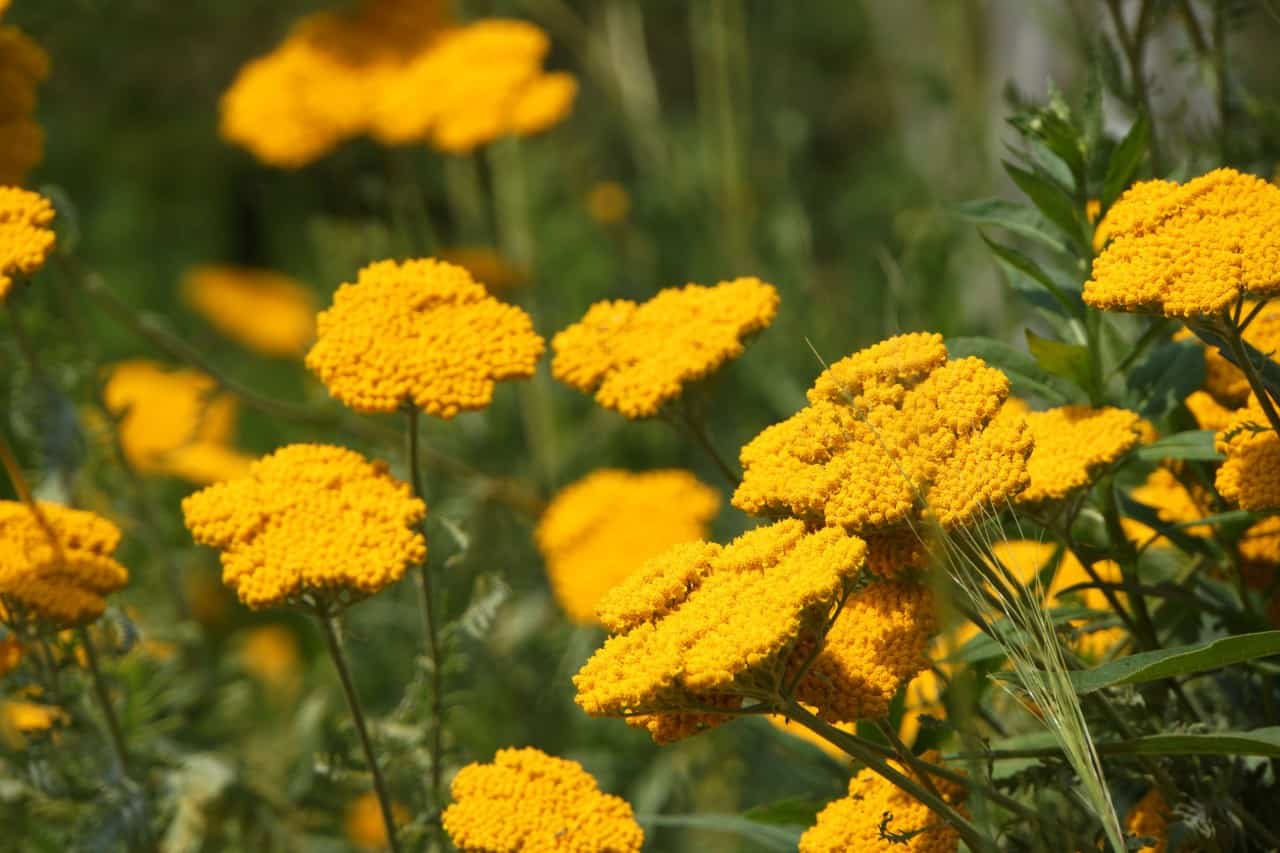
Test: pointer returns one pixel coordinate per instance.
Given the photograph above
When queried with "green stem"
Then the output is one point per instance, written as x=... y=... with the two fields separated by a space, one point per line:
x=114 y=733
x=353 y=703
x=1235 y=342
x=697 y=428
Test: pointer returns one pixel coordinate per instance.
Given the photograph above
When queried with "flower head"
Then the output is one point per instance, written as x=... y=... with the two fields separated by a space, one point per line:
x=62 y=581
x=1208 y=412
x=23 y=65
x=20 y=718
x=602 y=528
x=268 y=312
x=1189 y=250
x=1260 y=543
x=1150 y=818
x=364 y=825
x=422 y=332
x=1072 y=445
x=855 y=822
x=174 y=422
x=1250 y=478
x=26 y=239
x=528 y=800
x=271 y=655
x=1173 y=502
x=310 y=520
x=638 y=357
x=892 y=435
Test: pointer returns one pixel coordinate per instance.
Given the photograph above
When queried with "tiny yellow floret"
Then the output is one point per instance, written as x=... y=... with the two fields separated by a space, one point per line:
x=1073 y=444
x=26 y=240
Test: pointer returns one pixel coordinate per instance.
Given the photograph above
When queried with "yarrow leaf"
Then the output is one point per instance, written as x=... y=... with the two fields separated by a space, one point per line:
x=1015 y=218
x=1180 y=660
x=1125 y=160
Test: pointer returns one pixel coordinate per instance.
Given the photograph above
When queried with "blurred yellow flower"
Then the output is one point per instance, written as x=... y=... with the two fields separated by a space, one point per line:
x=528 y=800
x=23 y=66
x=266 y=311
x=1150 y=818
x=1173 y=503
x=1073 y=444
x=270 y=654
x=26 y=239
x=364 y=825
x=1208 y=412
x=19 y=718
x=1190 y=250
x=61 y=586
x=608 y=202
x=602 y=528
x=1223 y=380
x=174 y=422
x=309 y=521
x=637 y=358
x=10 y=654
x=487 y=267
x=421 y=333
x=1250 y=478
x=1258 y=545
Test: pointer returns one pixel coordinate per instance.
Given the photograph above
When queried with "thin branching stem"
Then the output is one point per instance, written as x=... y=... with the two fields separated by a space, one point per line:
x=114 y=733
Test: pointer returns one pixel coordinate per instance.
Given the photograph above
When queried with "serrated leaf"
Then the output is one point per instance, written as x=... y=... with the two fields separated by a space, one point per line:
x=1070 y=304
x=1049 y=198
x=1027 y=377
x=1068 y=361
x=1125 y=160
x=1017 y=218
x=793 y=811
x=1165 y=377
x=1195 y=445
x=1256 y=742
x=1180 y=660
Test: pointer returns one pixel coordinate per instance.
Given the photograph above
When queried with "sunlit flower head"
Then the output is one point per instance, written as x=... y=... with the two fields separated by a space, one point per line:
x=1173 y=503
x=1190 y=250
x=1250 y=478
x=1208 y=412
x=311 y=524
x=855 y=822
x=526 y=800
x=26 y=239
x=174 y=422
x=1150 y=818
x=602 y=528
x=421 y=333
x=23 y=66
x=60 y=585
x=1260 y=543
x=636 y=358
x=265 y=311
x=20 y=719
x=1073 y=445
x=892 y=435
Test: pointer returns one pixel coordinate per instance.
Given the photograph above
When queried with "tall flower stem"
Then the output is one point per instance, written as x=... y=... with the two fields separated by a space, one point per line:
x=1235 y=341
x=114 y=732
x=685 y=415
x=426 y=607
x=328 y=626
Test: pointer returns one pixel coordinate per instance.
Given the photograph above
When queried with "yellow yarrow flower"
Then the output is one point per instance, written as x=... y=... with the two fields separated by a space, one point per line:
x=271 y=655
x=1208 y=412
x=1073 y=444
x=1173 y=503
x=364 y=825
x=892 y=435
x=20 y=718
x=1150 y=818
x=266 y=311
x=26 y=240
x=530 y=801
x=1190 y=250
x=311 y=524
x=420 y=333
x=1250 y=478
x=61 y=585
x=854 y=822
x=23 y=66
x=174 y=422
x=1258 y=545
x=602 y=528
x=636 y=358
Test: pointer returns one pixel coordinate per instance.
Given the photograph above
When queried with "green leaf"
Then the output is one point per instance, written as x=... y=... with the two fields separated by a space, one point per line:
x=1069 y=361
x=1180 y=660
x=1195 y=445
x=1051 y=199
x=765 y=836
x=793 y=811
x=1016 y=262
x=1125 y=160
x=1028 y=378
x=1165 y=377
x=1017 y=218
x=1256 y=742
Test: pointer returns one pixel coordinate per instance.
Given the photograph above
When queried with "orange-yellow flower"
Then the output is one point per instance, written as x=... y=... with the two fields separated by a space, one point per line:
x=1073 y=444
x=527 y=800
x=1173 y=503
x=1250 y=478
x=23 y=66
x=364 y=825
x=271 y=655
x=268 y=312
x=602 y=528
x=310 y=523
x=636 y=358
x=420 y=333
x=26 y=239
x=1150 y=818
x=20 y=718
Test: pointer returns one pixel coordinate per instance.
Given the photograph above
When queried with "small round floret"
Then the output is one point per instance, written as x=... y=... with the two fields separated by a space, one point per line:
x=26 y=240
x=1072 y=446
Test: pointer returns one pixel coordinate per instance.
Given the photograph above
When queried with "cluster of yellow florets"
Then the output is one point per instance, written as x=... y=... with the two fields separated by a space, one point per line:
x=266 y=311
x=1190 y=250
x=25 y=236
x=309 y=520
x=365 y=828
x=395 y=70
x=1250 y=478
x=23 y=65
x=1173 y=502
x=527 y=800
x=874 y=804
x=64 y=584
x=892 y=435
x=599 y=530
x=174 y=422
x=1150 y=819
x=637 y=358
x=424 y=333
x=1072 y=445
x=1226 y=389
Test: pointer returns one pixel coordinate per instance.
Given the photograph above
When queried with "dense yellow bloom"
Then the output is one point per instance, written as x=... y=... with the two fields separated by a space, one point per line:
x=1250 y=478
x=1150 y=818
x=1072 y=446
x=25 y=236
x=854 y=822
x=174 y=422
x=608 y=202
x=602 y=528
x=892 y=435
x=1190 y=250
x=271 y=655
x=682 y=636
x=1259 y=544
x=894 y=552
x=64 y=585
x=1208 y=412
x=23 y=65
x=309 y=520
x=1173 y=503
x=365 y=828
x=424 y=333
x=637 y=358
x=19 y=718
x=264 y=310
x=487 y=267
x=529 y=801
